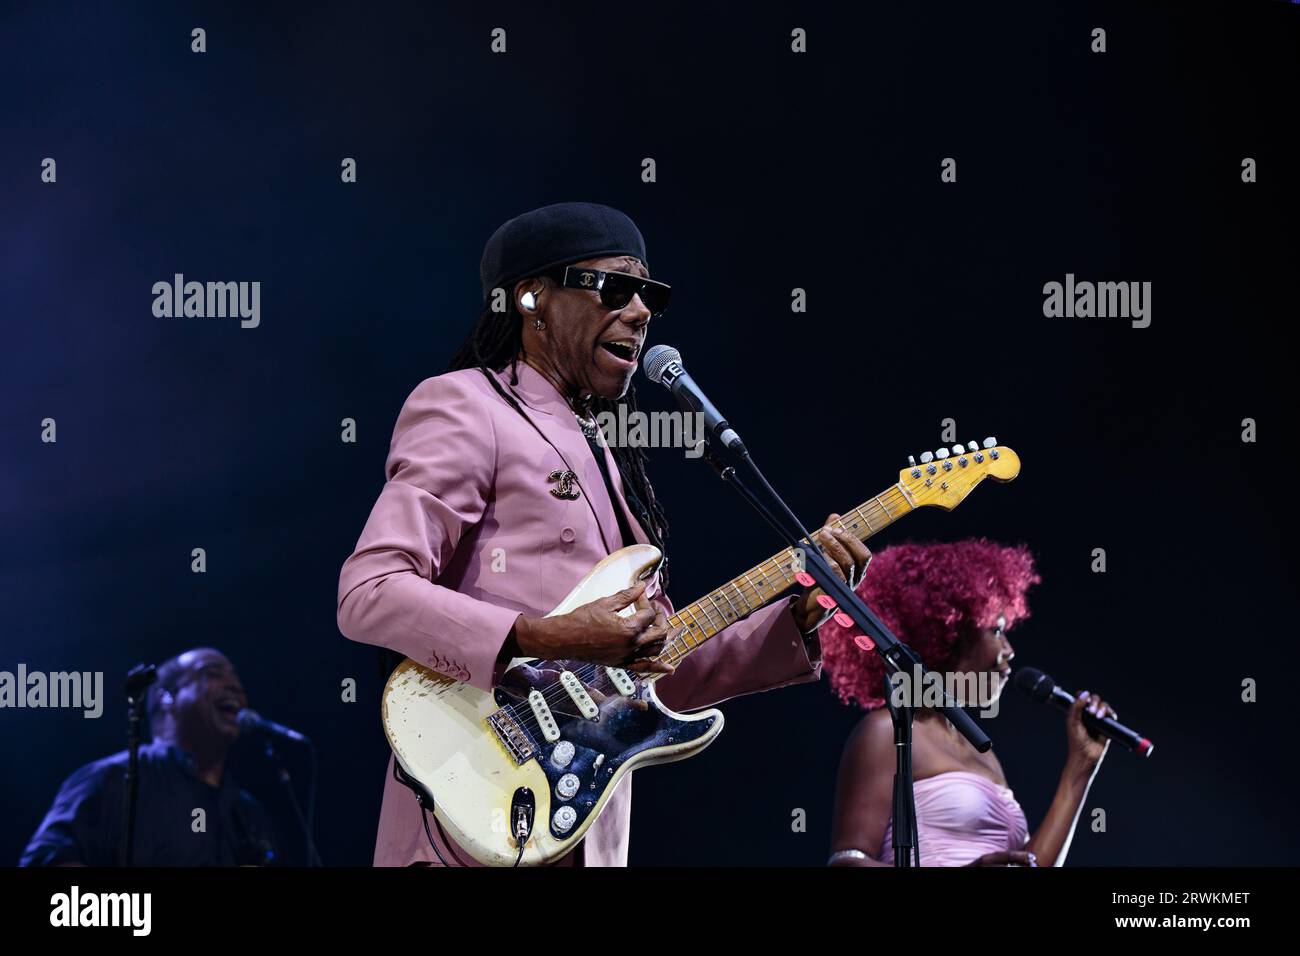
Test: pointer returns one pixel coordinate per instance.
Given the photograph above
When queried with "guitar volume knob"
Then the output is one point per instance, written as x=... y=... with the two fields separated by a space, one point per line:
x=567 y=786
x=564 y=819
x=562 y=754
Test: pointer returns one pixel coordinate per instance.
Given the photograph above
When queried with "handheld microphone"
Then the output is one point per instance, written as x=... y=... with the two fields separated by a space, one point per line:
x=251 y=720
x=663 y=364
x=1044 y=690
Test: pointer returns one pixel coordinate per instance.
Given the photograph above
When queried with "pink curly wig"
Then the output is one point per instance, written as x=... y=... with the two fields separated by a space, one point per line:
x=936 y=598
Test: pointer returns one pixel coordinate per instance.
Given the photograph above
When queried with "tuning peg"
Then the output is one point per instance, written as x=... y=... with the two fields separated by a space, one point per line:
x=958 y=450
x=971 y=446
x=911 y=462
x=927 y=457
x=990 y=442
x=941 y=453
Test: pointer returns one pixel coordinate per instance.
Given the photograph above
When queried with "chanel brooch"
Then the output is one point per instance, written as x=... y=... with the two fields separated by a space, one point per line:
x=565 y=489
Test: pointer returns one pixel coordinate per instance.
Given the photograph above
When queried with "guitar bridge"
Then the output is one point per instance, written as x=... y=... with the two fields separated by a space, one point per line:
x=512 y=736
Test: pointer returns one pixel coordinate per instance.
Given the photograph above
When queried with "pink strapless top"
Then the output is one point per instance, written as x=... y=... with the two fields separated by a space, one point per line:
x=960 y=816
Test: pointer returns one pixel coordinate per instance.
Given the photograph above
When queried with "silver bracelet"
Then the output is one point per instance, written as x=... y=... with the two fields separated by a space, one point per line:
x=846 y=855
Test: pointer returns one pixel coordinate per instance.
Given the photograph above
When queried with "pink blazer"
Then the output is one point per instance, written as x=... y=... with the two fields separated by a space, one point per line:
x=467 y=485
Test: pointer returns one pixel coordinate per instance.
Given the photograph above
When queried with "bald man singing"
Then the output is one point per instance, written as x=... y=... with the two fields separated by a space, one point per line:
x=193 y=712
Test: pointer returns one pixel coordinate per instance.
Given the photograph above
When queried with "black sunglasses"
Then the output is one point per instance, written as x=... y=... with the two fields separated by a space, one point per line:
x=616 y=288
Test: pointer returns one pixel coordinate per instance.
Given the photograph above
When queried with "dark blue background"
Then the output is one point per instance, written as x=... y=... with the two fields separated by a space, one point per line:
x=774 y=171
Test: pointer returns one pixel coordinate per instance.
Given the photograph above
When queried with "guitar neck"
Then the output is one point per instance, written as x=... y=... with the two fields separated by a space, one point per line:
x=760 y=584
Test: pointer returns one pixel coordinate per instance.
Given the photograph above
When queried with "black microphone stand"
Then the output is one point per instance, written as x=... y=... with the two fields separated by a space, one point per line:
x=897 y=656
x=138 y=680
x=282 y=774
x=907 y=845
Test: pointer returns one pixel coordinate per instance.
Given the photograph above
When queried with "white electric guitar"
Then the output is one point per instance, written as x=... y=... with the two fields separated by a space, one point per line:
x=517 y=776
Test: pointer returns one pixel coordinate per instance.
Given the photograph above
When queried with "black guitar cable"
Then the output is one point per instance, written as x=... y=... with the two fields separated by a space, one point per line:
x=523 y=807
x=424 y=814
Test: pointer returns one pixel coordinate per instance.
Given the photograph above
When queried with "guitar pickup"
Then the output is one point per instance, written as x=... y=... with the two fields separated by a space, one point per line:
x=545 y=720
x=586 y=705
x=620 y=679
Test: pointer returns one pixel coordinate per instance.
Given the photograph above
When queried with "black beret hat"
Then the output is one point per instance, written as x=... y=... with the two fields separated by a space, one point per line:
x=556 y=235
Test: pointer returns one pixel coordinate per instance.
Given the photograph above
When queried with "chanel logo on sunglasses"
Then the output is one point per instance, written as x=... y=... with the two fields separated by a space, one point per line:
x=616 y=288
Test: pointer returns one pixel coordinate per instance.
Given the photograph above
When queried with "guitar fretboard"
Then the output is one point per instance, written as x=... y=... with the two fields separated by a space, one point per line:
x=745 y=594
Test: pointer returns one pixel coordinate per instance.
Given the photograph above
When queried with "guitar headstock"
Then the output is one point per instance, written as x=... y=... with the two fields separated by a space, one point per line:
x=945 y=477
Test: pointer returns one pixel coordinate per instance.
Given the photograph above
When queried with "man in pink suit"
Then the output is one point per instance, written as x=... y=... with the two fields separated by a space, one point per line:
x=501 y=495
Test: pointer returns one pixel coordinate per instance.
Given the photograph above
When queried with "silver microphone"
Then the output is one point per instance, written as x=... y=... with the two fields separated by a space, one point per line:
x=663 y=364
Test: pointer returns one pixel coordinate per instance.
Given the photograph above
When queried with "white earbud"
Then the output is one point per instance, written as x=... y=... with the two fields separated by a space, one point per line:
x=528 y=302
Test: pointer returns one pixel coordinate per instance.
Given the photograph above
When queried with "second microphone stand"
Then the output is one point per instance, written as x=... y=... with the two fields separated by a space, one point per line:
x=897 y=656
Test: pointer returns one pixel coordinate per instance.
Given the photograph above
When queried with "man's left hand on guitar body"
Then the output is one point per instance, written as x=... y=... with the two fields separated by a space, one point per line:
x=847 y=557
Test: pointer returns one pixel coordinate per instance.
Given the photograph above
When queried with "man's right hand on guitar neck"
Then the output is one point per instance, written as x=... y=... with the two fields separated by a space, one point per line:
x=595 y=632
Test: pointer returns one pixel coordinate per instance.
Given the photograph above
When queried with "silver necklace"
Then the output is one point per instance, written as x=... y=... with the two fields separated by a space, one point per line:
x=588 y=425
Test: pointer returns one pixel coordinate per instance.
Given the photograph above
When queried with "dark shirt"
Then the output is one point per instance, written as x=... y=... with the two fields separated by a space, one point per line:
x=634 y=503
x=84 y=825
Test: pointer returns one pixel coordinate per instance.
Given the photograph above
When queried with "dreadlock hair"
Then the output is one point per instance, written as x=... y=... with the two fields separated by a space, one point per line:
x=497 y=341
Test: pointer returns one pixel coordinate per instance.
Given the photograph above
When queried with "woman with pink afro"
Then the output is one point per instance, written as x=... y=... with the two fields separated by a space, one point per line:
x=953 y=604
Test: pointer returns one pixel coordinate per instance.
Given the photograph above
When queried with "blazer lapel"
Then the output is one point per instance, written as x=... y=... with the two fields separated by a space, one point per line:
x=551 y=415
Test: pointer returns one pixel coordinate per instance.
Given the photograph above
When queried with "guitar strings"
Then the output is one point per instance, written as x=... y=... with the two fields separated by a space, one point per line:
x=590 y=673
x=555 y=692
